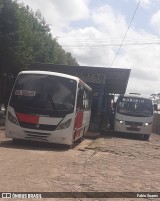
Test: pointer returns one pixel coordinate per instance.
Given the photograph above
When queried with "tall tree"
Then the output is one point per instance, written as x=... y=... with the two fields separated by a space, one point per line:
x=25 y=37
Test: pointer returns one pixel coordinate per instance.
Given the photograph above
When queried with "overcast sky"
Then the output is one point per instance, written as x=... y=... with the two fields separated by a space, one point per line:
x=93 y=30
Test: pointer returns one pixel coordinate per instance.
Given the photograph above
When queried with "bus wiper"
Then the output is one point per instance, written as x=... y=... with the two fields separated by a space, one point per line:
x=52 y=102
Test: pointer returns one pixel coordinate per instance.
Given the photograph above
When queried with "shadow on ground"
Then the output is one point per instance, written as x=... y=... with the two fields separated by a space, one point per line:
x=43 y=146
x=112 y=134
x=29 y=145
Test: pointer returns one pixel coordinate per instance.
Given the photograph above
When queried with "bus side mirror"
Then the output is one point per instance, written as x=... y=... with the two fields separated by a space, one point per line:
x=155 y=107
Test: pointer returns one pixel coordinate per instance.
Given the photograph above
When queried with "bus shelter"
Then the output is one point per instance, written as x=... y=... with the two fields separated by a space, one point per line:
x=105 y=83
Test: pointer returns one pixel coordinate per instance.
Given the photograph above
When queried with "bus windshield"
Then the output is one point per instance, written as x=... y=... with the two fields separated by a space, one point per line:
x=135 y=106
x=45 y=92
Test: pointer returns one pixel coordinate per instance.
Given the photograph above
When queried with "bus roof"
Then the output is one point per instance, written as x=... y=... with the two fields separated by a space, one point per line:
x=135 y=96
x=55 y=74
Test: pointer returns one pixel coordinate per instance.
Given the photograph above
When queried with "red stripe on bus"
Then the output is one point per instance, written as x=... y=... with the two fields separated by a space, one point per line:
x=27 y=118
x=78 y=124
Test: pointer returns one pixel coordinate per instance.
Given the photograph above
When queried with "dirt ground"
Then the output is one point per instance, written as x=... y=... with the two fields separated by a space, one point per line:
x=107 y=164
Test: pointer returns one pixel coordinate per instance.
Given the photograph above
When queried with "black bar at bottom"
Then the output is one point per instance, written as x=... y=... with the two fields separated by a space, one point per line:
x=30 y=195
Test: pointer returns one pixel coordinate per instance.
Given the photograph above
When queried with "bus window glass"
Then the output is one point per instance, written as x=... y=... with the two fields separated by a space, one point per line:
x=87 y=99
x=83 y=98
x=80 y=98
x=44 y=92
x=135 y=107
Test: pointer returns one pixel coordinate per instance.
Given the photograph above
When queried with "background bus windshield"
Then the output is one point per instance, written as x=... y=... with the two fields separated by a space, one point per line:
x=44 y=92
x=135 y=107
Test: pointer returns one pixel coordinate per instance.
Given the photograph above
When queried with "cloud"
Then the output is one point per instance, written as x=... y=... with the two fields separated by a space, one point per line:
x=144 y=74
x=59 y=14
x=85 y=45
x=71 y=9
x=88 y=45
x=93 y=46
x=144 y=87
x=146 y=3
x=109 y=21
x=97 y=43
x=155 y=21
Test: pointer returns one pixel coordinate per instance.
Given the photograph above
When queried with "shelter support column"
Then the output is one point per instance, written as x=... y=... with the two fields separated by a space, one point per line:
x=100 y=108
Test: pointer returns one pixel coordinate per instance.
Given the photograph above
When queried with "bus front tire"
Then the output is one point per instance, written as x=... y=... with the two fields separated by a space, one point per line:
x=82 y=137
x=71 y=146
x=146 y=137
x=16 y=141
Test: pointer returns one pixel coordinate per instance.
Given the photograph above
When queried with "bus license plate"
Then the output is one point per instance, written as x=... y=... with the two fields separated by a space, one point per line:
x=36 y=139
x=133 y=126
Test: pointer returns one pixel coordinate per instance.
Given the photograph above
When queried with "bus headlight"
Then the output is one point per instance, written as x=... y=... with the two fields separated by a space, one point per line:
x=64 y=125
x=146 y=124
x=12 y=119
x=119 y=121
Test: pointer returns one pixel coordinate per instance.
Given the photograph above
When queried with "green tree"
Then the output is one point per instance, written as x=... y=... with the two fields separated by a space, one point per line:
x=25 y=37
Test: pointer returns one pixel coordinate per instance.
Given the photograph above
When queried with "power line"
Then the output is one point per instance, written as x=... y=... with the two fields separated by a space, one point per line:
x=113 y=45
x=106 y=54
x=106 y=42
x=126 y=33
x=112 y=42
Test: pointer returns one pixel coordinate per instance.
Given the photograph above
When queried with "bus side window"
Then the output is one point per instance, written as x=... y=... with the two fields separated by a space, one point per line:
x=87 y=99
x=80 y=98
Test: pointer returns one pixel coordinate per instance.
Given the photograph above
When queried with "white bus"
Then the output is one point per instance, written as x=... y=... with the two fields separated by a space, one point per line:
x=49 y=107
x=134 y=114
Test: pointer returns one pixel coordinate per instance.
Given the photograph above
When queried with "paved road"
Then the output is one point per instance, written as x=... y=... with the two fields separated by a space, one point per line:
x=108 y=163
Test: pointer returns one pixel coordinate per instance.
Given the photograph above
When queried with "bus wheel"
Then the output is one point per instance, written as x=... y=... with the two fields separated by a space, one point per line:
x=146 y=137
x=71 y=146
x=16 y=141
x=82 y=137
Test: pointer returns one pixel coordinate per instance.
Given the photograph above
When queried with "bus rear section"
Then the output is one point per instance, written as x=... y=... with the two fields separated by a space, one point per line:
x=43 y=107
x=134 y=114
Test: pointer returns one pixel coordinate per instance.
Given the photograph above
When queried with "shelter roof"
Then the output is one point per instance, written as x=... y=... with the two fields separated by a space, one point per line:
x=116 y=79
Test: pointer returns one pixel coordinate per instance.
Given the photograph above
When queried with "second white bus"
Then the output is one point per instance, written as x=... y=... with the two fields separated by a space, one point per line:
x=49 y=107
x=134 y=114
